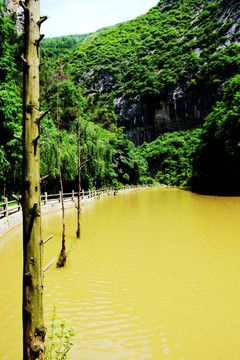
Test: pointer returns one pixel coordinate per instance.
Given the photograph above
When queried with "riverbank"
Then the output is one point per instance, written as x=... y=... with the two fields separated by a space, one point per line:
x=9 y=222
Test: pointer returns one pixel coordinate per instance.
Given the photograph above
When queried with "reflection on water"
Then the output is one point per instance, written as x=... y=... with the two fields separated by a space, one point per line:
x=155 y=276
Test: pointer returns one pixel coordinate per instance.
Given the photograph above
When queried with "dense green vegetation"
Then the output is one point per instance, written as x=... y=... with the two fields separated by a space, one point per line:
x=186 y=43
x=10 y=102
x=170 y=156
x=217 y=156
x=54 y=48
x=109 y=158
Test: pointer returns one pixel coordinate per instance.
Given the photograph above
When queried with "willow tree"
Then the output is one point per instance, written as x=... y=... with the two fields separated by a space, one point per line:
x=33 y=327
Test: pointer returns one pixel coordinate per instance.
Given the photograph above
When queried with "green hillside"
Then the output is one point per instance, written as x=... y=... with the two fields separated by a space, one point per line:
x=168 y=80
x=177 y=42
x=56 y=47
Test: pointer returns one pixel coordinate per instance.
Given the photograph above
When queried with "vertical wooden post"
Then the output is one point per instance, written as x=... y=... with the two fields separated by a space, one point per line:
x=6 y=207
x=79 y=174
x=62 y=256
x=20 y=203
x=33 y=327
x=45 y=198
x=73 y=193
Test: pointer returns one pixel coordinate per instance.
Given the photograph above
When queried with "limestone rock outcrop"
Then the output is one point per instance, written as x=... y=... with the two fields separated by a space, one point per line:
x=14 y=6
x=146 y=117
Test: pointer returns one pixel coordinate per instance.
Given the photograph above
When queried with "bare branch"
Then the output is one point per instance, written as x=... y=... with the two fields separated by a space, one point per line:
x=49 y=238
x=42 y=19
x=44 y=178
x=23 y=5
x=43 y=113
x=48 y=265
x=36 y=140
x=17 y=198
x=18 y=138
x=24 y=61
x=35 y=143
x=37 y=42
x=84 y=162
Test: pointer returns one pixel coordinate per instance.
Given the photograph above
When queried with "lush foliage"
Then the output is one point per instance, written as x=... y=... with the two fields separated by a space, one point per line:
x=170 y=156
x=186 y=42
x=217 y=157
x=10 y=102
x=189 y=44
x=54 y=48
x=59 y=339
x=107 y=156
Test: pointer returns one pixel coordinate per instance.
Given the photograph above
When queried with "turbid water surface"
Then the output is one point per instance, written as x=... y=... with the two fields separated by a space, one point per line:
x=156 y=275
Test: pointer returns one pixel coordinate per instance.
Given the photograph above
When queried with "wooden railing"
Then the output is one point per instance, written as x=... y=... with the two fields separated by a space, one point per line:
x=8 y=208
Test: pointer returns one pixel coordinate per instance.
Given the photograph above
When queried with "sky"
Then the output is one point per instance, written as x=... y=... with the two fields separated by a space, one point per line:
x=84 y=16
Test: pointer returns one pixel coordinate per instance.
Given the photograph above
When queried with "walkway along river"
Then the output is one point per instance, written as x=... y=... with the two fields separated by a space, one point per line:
x=155 y=276
x=11 y=211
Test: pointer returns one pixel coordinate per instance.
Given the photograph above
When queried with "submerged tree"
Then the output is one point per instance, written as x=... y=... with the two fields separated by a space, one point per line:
x=62 y=256
x=33 y=327
x=79 y=175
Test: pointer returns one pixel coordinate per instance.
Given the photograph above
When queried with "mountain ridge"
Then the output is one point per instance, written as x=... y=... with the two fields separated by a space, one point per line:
x=165 y=69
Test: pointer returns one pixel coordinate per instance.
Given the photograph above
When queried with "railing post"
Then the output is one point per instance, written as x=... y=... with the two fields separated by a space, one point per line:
x=72 y=195
x=20 y=204
x=45 y=198
x=60 y=196
x=89 y=193
x=6 y=206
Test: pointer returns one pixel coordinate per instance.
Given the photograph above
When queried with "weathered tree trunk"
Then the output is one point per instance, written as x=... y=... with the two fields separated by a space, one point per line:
x=4 y=187
x=62 y=256
x=33 y=326
x=79 y=178
x=5 y=181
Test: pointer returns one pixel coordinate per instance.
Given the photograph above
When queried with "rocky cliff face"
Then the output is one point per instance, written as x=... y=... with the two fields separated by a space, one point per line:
x=146 y=117
x=165 y=71
x=173 y=76
x=14 y=6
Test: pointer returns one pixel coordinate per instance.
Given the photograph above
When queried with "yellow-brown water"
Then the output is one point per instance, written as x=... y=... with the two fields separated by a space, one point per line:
x=155 y=276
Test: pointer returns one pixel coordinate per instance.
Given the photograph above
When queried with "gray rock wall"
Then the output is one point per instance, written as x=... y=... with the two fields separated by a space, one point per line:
x=145 y=118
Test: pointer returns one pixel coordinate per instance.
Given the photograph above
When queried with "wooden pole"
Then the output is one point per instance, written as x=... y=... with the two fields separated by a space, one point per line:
x=6 y=207
x=49 y=264
x=34 y=330
x=45 y=198
x=79 y=177
x=62 y=256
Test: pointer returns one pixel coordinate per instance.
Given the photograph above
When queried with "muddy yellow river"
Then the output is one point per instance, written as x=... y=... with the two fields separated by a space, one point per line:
x=155 y=276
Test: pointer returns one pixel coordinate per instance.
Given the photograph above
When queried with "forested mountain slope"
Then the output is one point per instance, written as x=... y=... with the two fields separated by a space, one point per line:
x=56 y=47
x=166 y=69
x=169 y=79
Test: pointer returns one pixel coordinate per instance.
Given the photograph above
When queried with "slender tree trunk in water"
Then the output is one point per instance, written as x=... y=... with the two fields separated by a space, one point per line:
x=79 y=178
x=33 y=327
x=5 y=182
x=62 y=256
x=4 y=188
